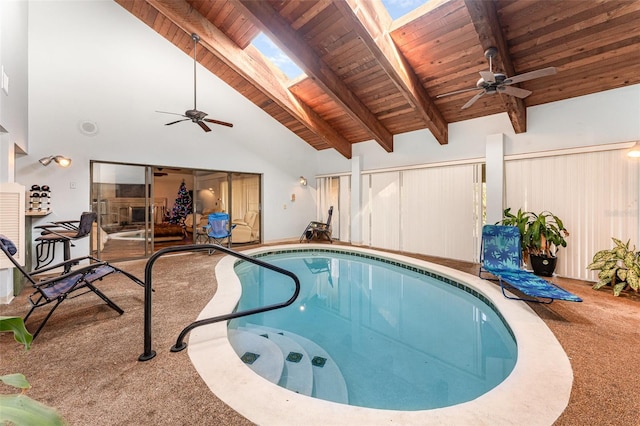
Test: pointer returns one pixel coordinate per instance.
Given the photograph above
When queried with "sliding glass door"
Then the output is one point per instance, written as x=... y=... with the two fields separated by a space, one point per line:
x=122 y=195
x=143 y=208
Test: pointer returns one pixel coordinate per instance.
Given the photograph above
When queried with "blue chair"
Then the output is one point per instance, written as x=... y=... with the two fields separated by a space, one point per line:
x=501 y=256
x=218 y=229
x=55 y=289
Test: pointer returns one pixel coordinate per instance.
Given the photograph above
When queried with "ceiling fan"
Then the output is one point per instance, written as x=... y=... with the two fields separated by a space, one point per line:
x=490 y=82
x=194 y=115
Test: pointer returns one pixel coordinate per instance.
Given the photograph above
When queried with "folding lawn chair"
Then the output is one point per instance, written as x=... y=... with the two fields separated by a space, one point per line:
x=501 y=256
x=56 y=289
x=318 y=230
x=218 y=229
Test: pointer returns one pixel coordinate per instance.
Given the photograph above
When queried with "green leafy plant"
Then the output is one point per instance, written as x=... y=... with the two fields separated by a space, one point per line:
x=19 y=409
x=541 y=234
x=619 y=267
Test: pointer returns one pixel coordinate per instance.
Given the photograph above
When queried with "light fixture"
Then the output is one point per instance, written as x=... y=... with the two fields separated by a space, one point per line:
x=62 y=161
x=303 y=181
x=635 y=151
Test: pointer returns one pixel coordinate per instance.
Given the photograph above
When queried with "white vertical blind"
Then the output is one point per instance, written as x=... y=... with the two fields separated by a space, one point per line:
x=12 y=221
x=441 y=212
x=330 y=193
x=344 y=212
x=365 y=210
x=385 y=210
x=595 y=194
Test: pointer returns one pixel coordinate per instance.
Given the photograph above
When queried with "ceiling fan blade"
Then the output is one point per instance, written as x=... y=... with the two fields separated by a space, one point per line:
x=530 y=75
x=174 y=122
x=474 y=99
x=455 y=92
x=204 y=126
x=514 y=91
x=172 y=113
x=488 y=76
x=222 y=123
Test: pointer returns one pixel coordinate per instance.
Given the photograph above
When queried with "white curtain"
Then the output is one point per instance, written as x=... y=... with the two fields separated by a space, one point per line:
x=594 y=193
x=334 y=191
x=441 y=211
x=344 y=212
x=384 y=211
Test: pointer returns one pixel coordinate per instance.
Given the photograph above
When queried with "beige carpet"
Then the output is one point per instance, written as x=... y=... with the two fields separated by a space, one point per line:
x=85 y=361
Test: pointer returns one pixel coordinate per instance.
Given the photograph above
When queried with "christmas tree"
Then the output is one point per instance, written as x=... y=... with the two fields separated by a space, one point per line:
x=183 y=205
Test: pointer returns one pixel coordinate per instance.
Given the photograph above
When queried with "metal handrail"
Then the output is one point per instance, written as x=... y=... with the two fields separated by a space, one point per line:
x=149 y=353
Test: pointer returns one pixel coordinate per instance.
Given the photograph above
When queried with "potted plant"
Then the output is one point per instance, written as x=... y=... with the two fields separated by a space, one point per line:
x=619 y=267
x=541 y=235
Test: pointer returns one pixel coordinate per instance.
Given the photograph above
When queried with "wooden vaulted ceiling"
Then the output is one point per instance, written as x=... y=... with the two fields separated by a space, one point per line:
x=369 y=78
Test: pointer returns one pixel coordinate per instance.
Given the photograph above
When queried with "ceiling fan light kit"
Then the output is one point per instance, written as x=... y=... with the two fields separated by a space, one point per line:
x=491 y=83
x=194 y=115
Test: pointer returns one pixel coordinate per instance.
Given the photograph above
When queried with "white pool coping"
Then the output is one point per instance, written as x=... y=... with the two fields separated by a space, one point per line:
x=535 y=393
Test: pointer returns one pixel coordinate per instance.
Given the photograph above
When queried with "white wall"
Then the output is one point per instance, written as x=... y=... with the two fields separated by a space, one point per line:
x=95 y=61
x=13 y=59
x=601 y=118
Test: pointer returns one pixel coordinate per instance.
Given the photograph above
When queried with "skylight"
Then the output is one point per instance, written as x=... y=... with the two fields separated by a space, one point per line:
x=280 y=59
x=399 y=8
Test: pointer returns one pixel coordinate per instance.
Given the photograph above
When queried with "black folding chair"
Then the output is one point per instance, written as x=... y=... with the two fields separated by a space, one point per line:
x=318 y=230
x=55 y=290
x=64 y=232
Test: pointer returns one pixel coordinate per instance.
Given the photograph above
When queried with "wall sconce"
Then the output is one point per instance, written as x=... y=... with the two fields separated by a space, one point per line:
x=635 y=151
x=212 y=191
x=62 y=161
x=303 y=181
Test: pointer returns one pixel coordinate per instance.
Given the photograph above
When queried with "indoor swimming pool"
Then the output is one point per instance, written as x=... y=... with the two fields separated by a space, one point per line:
x=383 y=324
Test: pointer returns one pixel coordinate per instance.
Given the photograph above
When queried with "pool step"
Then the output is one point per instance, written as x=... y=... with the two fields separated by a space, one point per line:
x=261 y=355
x=296 y=375
x=327 y=379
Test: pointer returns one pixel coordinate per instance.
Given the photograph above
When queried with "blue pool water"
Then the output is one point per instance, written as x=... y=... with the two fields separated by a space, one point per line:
x=402 y=338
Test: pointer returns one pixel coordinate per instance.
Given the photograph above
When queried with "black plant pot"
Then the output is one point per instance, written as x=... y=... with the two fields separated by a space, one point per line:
x=543 y=265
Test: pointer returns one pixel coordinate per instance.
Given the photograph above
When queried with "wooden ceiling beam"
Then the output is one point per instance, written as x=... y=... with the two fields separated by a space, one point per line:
x=367 y=19
x=189 y=20
x=280 y=32
x=487 y=25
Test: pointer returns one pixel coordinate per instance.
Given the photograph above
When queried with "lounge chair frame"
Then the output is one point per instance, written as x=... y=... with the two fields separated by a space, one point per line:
x=501 y=256
x=318 y=230
x=58 y=288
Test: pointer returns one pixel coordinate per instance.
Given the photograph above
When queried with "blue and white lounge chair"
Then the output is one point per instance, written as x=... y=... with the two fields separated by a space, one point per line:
x=501 y=255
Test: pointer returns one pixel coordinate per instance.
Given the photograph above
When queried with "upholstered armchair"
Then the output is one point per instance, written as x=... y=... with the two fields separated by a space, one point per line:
x=201 y=220
x=246 y=229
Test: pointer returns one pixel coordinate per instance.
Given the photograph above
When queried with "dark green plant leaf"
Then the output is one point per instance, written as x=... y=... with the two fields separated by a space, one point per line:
x=16 y=325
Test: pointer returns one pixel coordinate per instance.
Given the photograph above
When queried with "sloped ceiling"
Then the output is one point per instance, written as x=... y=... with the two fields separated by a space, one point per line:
x=369 y=78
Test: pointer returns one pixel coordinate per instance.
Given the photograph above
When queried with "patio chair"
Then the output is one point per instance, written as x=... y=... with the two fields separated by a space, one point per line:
x=218 y=229
x=64 y=232
x=501 y=256
x=58 y=288
x=318 y=230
